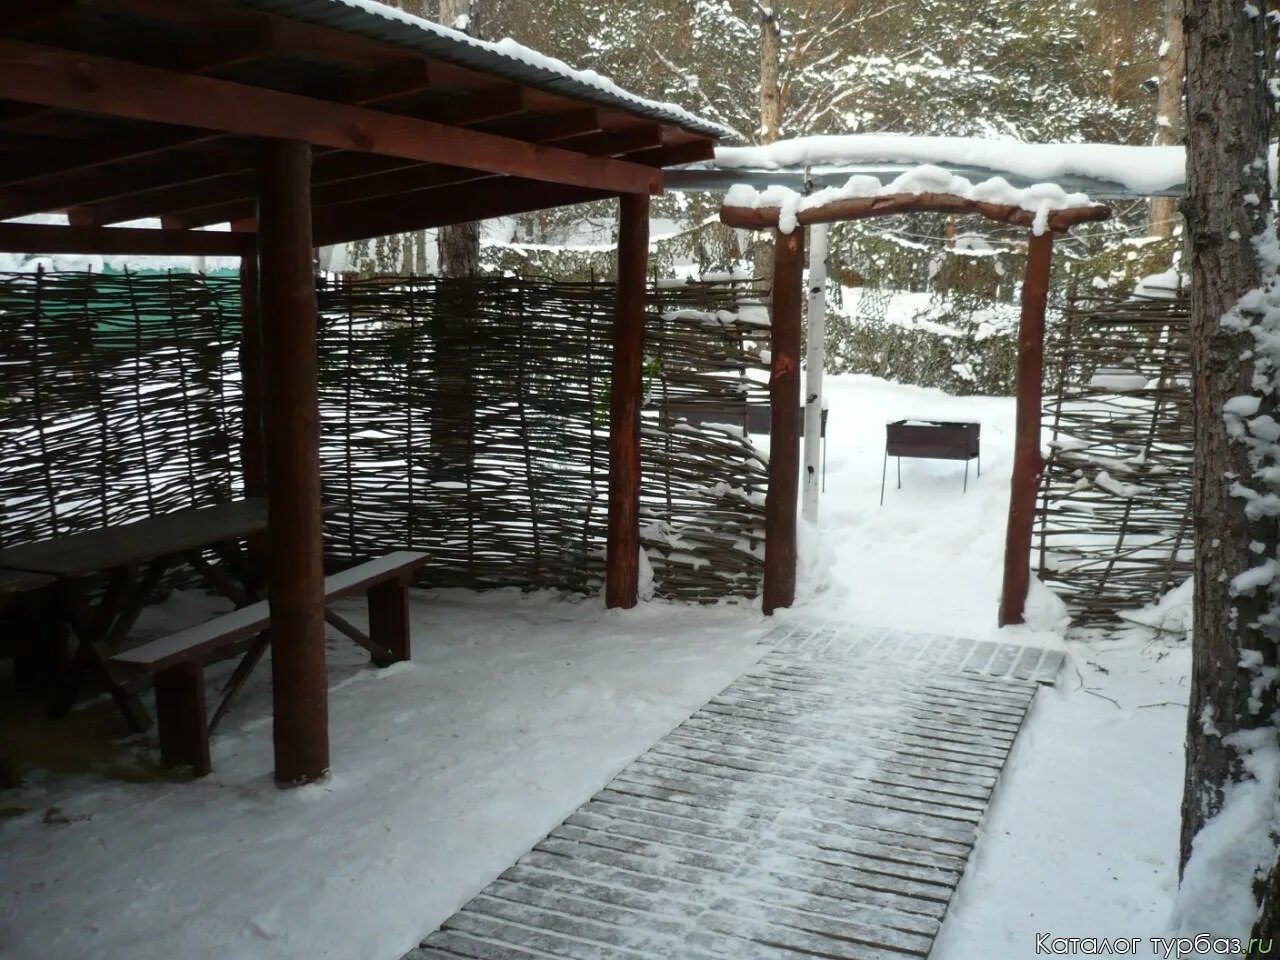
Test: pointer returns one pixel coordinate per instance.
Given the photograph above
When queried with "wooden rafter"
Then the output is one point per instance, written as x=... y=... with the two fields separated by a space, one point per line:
x=229 y=193
x=57 y=78
x=460 y=204
x=340 y=178
x=45 y=238
x=158 y=187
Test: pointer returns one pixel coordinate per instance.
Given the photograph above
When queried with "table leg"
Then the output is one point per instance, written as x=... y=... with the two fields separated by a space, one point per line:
x=40 y=664
x=93 y=629
x=238 y=676
x=218 y=580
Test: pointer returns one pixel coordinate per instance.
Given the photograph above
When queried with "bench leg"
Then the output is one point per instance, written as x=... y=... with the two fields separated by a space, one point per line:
x=389 y=619
x=183 y=723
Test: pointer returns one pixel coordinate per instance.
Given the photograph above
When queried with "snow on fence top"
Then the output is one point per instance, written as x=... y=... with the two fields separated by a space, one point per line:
x=1142 y=170
x=437 y=40
x=935 y=188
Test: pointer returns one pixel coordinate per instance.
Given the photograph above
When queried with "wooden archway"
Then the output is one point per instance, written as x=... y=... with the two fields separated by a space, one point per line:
x=784 y=380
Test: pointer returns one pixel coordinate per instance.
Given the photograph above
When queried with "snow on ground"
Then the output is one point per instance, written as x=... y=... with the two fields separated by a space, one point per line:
x=1082 y=837
x=514 y=710
x=517 y=708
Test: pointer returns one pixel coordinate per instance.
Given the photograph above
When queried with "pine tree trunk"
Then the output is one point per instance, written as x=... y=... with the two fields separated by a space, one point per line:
x=770 y=116
x=459 y=243
x=459 y=247
x=770 y=67
x=1227 y=125
x=1173 y=67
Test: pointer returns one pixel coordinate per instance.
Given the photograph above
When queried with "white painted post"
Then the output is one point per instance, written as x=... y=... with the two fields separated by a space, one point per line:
x=815 y=360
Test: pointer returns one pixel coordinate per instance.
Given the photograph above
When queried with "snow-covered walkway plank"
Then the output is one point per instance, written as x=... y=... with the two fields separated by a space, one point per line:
x=824 y=804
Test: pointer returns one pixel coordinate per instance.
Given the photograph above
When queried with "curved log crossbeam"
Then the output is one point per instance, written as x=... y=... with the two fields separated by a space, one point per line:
x=780 y=506
x=862 y=208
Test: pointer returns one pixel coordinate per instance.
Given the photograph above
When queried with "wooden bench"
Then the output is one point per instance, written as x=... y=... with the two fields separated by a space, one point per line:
x=177 y=661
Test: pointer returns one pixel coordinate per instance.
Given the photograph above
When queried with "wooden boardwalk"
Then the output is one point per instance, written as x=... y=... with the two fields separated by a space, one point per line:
x=823 y=805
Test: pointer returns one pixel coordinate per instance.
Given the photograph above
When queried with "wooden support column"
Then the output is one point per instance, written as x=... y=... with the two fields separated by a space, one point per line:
x=295 y=576
x=784 y=431
x=622 y=575
x=1027 y=464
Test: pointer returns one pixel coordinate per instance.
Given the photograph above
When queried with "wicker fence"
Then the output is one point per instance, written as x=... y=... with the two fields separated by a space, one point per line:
x=1115 y=504
x=464 y=418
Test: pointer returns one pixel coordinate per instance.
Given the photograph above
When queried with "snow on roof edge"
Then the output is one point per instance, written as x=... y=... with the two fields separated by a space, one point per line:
x=387 y=24
x=1041 y=199
x=1139 y=169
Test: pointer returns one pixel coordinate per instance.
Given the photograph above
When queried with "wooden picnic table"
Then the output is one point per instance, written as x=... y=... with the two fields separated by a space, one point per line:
x=16 y=584
x=134 y=557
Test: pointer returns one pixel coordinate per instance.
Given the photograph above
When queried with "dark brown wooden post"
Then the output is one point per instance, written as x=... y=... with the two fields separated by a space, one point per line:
x=389 y=619
x=784 y=431
x=1026 y=445
x=622 y=573
x=182 y=718
x=252 y=467
x=296 y=576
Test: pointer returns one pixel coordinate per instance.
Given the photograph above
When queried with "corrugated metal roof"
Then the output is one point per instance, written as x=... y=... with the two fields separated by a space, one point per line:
x=507 y=59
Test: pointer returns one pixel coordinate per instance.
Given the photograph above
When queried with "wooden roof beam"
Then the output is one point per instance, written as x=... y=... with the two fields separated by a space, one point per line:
x=350 y=192
x=44 y=238
x=436 y=208
x=213 y=170
x=336 y=182
x=56 y=78
x=671 y=154
x=618 y=142
x=222 y=47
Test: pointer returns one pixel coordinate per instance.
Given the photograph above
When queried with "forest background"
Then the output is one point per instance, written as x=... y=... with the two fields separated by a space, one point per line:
x=920 y=299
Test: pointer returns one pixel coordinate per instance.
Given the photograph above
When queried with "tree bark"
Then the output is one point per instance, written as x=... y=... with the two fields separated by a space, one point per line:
x=459 y=248
x=770 y=115
x=1169 y=122
x=770 y=68
x=1228 y=196
x=459 y=243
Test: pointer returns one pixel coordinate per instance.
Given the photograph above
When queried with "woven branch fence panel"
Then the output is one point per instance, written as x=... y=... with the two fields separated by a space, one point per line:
x=1115 y=500
x=470 y=419
x=119 y=398
x=464 y=418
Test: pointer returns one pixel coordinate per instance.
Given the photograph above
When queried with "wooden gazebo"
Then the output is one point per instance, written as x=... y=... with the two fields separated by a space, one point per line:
x=305 y=123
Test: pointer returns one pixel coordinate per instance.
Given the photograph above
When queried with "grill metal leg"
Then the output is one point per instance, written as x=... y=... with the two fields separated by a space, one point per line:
x=884 y=467
x=966 y=477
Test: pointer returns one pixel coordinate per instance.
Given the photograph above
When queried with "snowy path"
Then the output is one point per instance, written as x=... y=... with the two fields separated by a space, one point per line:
x=761 y=829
